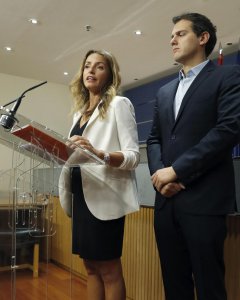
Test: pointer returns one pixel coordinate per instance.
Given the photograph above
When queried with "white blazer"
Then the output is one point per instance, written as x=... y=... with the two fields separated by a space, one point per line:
x=109 y=192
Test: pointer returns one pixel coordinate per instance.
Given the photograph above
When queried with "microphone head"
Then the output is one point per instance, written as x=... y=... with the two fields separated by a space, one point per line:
x=8 y=121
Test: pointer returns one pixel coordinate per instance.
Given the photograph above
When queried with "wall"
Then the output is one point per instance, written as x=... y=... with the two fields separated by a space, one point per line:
x=48 y=104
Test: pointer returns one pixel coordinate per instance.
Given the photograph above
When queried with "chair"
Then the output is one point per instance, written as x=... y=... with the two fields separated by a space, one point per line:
x=27 y=244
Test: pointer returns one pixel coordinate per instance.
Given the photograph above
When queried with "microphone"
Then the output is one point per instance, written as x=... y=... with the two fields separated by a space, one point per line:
x=8 y=120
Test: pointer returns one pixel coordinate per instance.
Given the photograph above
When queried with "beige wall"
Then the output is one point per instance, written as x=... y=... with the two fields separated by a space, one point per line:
x=49 y=105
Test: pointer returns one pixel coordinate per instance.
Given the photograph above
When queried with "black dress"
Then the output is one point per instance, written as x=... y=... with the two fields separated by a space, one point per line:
x=92 y=238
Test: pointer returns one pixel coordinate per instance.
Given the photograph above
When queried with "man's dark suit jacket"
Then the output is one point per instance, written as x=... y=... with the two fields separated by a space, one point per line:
x=198 y=144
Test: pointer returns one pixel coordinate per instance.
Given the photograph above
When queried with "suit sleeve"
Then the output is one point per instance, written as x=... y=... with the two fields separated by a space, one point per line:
x=217 y=144
x=154 y=145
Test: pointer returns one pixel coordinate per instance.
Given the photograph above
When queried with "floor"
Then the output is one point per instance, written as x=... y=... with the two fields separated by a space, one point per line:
x=53 y=283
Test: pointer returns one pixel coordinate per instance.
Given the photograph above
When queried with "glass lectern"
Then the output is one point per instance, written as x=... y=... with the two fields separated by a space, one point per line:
x=28 y=214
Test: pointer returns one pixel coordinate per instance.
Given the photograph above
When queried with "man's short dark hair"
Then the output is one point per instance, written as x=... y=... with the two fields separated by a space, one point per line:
x=200 y=23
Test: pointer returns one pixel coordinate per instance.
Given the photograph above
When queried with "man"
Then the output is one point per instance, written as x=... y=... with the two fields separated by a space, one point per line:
x=195 y=126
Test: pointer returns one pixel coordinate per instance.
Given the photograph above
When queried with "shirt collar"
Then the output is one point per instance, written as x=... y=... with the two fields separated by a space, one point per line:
x=194 y=71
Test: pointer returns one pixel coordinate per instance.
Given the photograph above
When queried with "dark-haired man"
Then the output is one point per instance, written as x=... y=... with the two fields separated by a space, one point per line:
x=195 y=126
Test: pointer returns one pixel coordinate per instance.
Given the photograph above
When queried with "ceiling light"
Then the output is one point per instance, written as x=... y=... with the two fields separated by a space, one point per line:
x=33 y=21
x=8 y=49
x=138 y=32
x=65 y=73
x=88 y=27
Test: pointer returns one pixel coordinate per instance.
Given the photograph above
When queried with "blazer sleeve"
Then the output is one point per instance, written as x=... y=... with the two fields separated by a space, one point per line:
x=127 y=133
x=220 y=140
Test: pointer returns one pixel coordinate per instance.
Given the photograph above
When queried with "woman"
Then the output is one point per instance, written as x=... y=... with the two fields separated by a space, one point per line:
x=104 y=124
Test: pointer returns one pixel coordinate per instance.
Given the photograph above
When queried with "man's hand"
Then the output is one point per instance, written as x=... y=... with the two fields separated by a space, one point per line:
x=162 y=177
x=164 y=181
x=171 y=189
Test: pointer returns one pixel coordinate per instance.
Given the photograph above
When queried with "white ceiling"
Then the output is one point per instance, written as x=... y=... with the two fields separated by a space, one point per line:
x=59 y=42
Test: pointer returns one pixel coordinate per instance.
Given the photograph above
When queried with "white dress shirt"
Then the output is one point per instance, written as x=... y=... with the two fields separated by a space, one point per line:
x=184 y=83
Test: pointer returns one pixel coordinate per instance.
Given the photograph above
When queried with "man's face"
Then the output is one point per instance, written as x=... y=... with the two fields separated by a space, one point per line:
x=185 y=44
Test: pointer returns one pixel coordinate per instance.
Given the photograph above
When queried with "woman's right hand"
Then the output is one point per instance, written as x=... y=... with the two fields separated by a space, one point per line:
x=76 y=141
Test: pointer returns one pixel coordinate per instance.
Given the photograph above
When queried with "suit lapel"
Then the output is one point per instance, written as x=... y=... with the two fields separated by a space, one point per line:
x=194 y=88
x=171 y=97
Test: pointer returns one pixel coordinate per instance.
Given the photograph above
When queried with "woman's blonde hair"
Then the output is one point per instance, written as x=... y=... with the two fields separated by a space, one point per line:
x=81 y=94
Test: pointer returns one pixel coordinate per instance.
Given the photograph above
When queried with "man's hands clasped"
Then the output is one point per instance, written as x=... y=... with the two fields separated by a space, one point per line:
x=165 y=181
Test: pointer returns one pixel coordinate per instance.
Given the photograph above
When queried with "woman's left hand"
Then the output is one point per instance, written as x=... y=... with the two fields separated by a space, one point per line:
x=76 y=141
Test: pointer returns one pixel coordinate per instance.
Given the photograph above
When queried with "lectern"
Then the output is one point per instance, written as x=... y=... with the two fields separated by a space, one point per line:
x=27 y=191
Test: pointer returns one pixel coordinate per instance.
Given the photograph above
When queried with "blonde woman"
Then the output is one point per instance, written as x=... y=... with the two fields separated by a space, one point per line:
x=104 y=123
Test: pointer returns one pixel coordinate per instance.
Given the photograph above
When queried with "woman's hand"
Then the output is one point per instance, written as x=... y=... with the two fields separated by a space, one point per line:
x=76 y=141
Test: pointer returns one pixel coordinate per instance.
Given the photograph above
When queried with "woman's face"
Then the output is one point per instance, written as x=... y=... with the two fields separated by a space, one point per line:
x=96 y=73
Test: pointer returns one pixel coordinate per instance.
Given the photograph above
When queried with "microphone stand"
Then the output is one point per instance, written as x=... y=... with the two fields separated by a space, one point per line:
x=2 y=106
x=8 y=120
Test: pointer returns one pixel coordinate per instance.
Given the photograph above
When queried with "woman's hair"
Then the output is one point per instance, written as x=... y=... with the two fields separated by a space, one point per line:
x=200 y=24
x=80 y=92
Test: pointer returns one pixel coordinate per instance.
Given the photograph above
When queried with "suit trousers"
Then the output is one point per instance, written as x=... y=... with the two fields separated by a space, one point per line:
x=191 y=253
